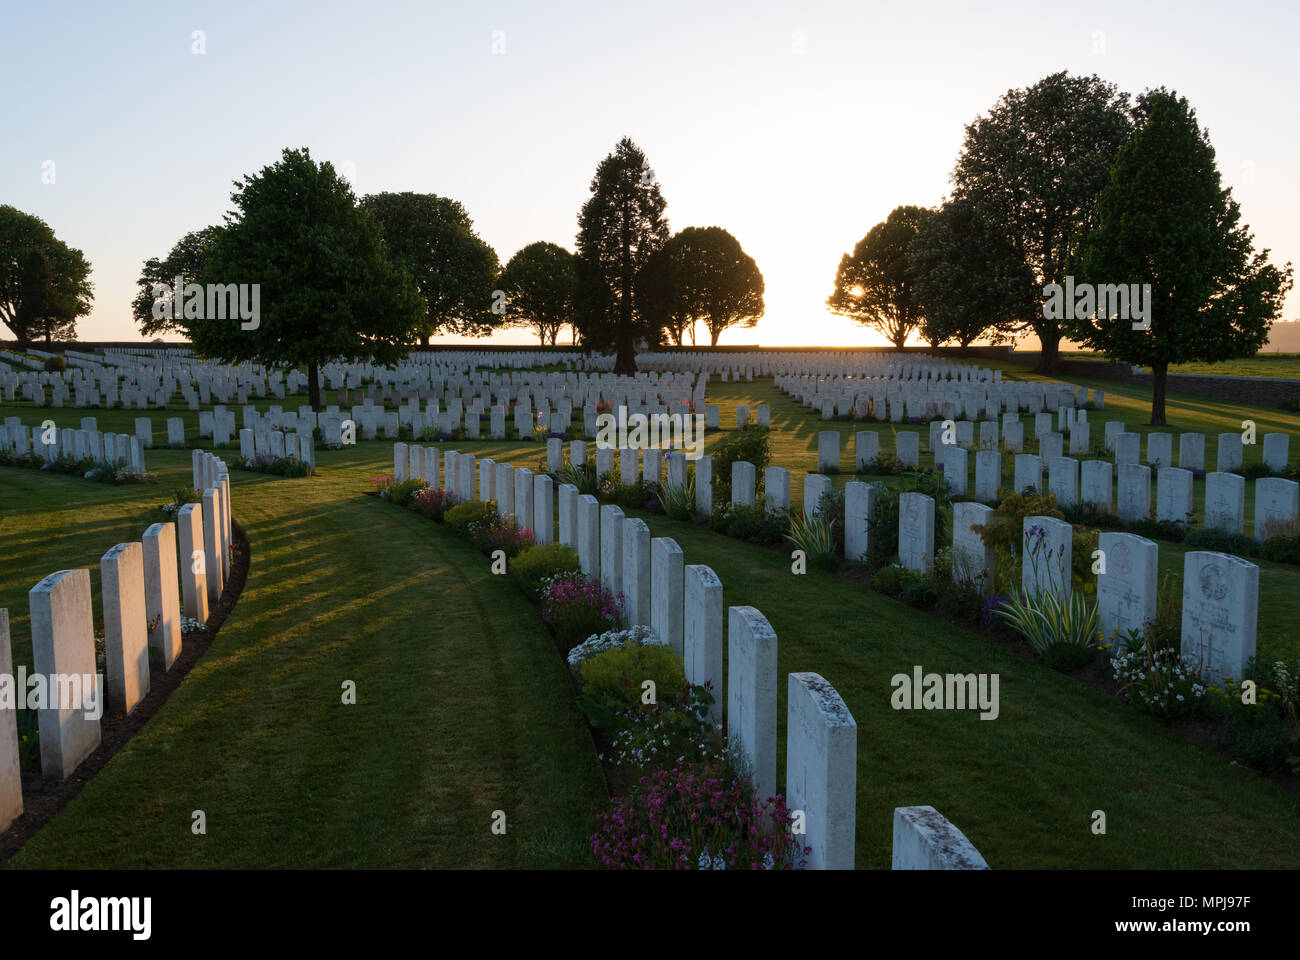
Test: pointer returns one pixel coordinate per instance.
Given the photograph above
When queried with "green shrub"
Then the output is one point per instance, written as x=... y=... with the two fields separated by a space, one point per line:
x=889 y=580
x=467 y=513
x=583 y=477
x=403 y=493
x=1256 y=736
x=1253 y=471
x=961 y=602
x=919 y=592
x=1281 y=550
x=1068 y=657
x=577 y=607
x=884 y=524
x=885 y=465
x=55 y=364
x=1048 y=619
x=830 y=509
x=751 y=524
x=815 y=536
x=1087 y=514
x=612 y=682
x=1220 y=541
x=541 y=561
x=752 y=445
x=1158 y=529
x=678 y=499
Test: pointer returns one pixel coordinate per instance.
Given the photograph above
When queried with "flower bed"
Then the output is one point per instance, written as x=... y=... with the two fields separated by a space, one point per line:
x=670 y=775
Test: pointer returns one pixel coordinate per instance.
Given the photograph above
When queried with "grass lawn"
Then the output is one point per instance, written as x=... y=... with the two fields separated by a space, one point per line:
x=464 y=706
x=1285 y=365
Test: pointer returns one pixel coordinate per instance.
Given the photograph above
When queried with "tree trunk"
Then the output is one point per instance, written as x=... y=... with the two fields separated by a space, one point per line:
x=424 y=340
x=313 y=387
x=625 y=359
x=1049 y=359
x=714 y=333
x=1159 y=374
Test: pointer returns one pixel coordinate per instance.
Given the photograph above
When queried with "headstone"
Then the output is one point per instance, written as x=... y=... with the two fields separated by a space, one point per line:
x=751 y=695
x=1225 y=502
x=821 y=769
x=11 y=780
x=972 y=558
x=1160 y=449
x=1230 y=453
x=1174 y=495
x=908 y=448
x=776 y=490
x=955 y=468
x=916 y=531
x=1095 y=484
x=743 y=477
x=523 y=478
x=666 y=586
x=1047 y=545
x=212 y=546
x=1277 y=451
x=1063 y=480
x=636 y=571
x=568 y=515
x=1126 y=583
x=126 y=634
x=162 y=592
x=925 y=840
x=589 y=534
x=1134 y=492
x=704 y=486
x=543 y=522
x=194 y=565
x=1220 y=613
x=866 y=447
x=815 y=486
x=859 y=508
x=702 y=631
x=1029 y=472
x=1276 y=502
x=611 y=548
x=1191 y=451
x=1127 y=447
x=63 y=644
x=988 y=475
x=828 y=451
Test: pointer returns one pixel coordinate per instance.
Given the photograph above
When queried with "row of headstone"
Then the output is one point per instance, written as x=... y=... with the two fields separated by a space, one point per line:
x=51 y=442
x=143 y=585
x=682 y=604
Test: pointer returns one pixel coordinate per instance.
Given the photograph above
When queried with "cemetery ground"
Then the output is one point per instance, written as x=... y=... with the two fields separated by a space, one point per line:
x=464 y=706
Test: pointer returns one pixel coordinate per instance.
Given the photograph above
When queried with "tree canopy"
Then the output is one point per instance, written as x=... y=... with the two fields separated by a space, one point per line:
x=39 y=268
x=874 y=284
x=1034 y=166
x=456 y=271
x=1164 y=219
x=188 y=259
x=969 y=280
x=326 y=286
x=717 y=283
x=539 y=283
x=620 y=227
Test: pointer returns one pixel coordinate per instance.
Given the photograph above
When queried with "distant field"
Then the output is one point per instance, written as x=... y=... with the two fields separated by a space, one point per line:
x=1262 y=365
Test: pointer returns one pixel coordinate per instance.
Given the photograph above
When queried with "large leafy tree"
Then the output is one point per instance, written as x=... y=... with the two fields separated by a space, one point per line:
x=539 y=282
x=1165 y=219
x=969 y=281
x=1034 y=166
x=719 y=284
x=620 y=227
x=658 y=294
x=455 y=270
x=874 y=286
x=154 y=301
x=328 y=290
x=36 y=264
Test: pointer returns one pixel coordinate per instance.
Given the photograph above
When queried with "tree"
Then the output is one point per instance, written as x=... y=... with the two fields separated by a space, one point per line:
x=970 y=282
x=433 y=238
x=538 y=283
x=619 y=227
x=1165 y=220
x=1034 y=167
x=874 y=285
x=59 y=276
x=327 y=288
x=718 y=284
x=658 y=294
x=157 y=281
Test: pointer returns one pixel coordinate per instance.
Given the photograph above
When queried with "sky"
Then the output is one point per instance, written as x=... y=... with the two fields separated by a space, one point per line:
x=797 y=127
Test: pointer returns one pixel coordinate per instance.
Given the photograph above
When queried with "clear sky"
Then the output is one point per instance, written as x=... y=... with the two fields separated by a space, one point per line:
x=795 y=126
